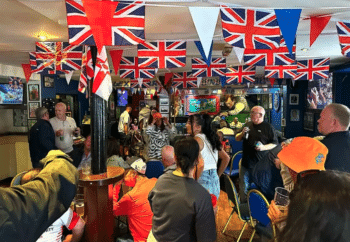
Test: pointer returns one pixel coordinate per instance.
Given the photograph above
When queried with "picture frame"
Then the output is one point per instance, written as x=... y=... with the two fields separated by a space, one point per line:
x=309 y=121
x=294 y=115
x=49 y=82
x=19 y=117
x=164 y=109
x=293 y=99
x=163 y=101
x=32 y=106
x=33 y=92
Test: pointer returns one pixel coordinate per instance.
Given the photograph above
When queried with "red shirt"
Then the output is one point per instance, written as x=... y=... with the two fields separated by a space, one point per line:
x=135 y=205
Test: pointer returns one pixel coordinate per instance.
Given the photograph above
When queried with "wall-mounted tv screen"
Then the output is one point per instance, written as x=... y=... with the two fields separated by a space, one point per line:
x=11 y=93
x=122 y=98
x=320 y=93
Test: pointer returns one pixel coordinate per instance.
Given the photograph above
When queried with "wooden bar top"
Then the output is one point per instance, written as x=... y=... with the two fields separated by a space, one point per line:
x=113 y=175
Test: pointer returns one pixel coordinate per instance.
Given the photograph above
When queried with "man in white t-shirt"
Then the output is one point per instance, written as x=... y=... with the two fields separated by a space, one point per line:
x=64 y=127
x=123 y=126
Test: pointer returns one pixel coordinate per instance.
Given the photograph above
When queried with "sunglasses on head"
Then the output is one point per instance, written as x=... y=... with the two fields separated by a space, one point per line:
x=304 y=174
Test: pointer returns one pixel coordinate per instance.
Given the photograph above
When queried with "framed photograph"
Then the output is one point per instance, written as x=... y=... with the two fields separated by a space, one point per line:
x=294 y=99
x=19 y=117
x=49 y=81
x=309 y=121
x=32 y=106
x=163 y=101
x=33 y=91
x=164 y=109
x=294 y=115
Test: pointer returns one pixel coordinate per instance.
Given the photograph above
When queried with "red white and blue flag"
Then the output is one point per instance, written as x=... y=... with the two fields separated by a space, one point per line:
x=58 y=57
x=162 y=54
x=313 y=69
x=250 y=29
x=200 y=68
x=344 y=37
x=184 y=80
x=102 y=84
x=87 y=70
x=127 y=25
x=281 y=71
x=146 y=83
x=240 y=74
x=272 y=57
x=129 y=68
x=35 y=68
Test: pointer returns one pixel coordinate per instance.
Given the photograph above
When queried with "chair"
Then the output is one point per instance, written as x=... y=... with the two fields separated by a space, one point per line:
x=258 y=208
x=17 y=179
x=233 y=170
x=241 y=209
x=154 y=169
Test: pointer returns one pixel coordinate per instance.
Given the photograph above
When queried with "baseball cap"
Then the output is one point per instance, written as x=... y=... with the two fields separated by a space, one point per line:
x=304 y=153
x=157 y=115
x=139 y=165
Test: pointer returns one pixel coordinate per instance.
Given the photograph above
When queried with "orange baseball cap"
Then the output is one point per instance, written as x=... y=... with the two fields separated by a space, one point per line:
x=304 y=153
x=157 y=115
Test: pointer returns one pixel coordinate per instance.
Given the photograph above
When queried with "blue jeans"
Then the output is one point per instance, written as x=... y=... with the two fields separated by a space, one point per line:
x=210 y=181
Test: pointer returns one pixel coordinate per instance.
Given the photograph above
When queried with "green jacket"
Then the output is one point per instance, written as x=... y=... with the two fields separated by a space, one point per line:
x=26 y=211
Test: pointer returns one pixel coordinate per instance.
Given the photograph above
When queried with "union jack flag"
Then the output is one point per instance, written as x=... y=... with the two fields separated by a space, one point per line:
x=272 y=57
x=58 y=57
x=129 y=68
x=146 y=83
x=201 y=69
x=344 y=37
x=162 y=54
x=87 y=70
x=281 y=71
x=79 y=30
x=250 y=29
x=33 y=65
x=184 y=80
x=127 y=25
x=313 y=69
x=240 y=74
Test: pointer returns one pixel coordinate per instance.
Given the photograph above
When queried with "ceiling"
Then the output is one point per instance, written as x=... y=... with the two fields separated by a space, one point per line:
x=23 y=20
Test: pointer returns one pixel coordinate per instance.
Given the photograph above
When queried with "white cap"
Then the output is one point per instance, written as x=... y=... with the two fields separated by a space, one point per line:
x=139 y=165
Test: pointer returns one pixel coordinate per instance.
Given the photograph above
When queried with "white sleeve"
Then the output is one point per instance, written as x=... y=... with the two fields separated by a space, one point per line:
x=66 y=218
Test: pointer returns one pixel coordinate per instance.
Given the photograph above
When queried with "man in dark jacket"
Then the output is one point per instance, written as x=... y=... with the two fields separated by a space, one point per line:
x=26 y=211
x=41 y=137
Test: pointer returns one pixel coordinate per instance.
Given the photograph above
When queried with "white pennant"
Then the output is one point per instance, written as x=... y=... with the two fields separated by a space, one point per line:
x=199 y=80
x=140 y=81
x=144 y=90
x=204 y=19
x=248 y=84
x=69 y=77
x=239 y=53
x=293 y=82
x=155 y=70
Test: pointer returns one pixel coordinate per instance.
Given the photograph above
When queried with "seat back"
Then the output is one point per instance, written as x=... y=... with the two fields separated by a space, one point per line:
x=154 y=169
x=258 y=207
x=235 y=161
x=232 y=194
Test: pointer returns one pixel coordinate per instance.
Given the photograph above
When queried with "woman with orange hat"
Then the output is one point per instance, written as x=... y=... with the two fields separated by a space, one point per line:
x=159 y=132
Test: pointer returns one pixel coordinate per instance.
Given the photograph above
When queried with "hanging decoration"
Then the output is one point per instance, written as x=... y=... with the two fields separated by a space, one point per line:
x=313 y=69
x=184 y=80
x=102 y=84
x=240 y=74
x=318 y=23
x=87 y=70
x=344 y=37
x=27 y=71
x=281 y=71
x=217 y=67
x=201 y=51
x=129 y=68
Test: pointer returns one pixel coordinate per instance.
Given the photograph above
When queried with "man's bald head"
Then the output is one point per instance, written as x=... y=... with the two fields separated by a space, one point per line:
x=168 y=157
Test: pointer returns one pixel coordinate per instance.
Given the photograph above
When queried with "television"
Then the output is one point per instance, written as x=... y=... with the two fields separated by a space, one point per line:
x=11 y=93
x=320 y=93
x=122 y=98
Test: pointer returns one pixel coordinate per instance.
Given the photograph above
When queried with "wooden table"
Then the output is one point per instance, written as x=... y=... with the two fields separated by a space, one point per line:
x=98 y=204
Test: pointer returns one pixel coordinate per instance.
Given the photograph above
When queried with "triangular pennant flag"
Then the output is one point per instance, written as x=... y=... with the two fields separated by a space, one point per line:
x=201 y=51
x=239 y=53
x=199 y=80
x=248 y=84
x=68 y=77
x=116 y=56
x=27 y=71
x=288 y=20
x=204 y=19
x=100 y=15
x=155 y=71
x=293 y=82
x=145 y=91
x=272 y=81
x=140 y=81
x=167 y=77
x=316 y=27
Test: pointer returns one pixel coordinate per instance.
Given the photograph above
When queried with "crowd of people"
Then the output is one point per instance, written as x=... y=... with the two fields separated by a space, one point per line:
x=177 y=204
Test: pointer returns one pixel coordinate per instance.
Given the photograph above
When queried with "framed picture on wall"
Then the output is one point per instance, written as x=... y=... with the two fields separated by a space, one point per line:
x=49 y=81
x=294 y=99
x=19 y=117
x=294 y=115
x=163 y=101
x=309 y=121
x=33 y=92
x=32 y=106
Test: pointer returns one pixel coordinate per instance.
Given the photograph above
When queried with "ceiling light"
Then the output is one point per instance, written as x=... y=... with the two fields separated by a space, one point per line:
x=42 y=37
x=304 y=49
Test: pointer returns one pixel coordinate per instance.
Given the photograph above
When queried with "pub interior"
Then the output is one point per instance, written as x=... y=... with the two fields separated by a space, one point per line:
x=112 y=126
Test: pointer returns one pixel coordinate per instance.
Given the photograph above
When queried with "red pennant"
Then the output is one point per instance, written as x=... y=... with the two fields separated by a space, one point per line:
x=100 y=15
x=116 y=56
x=316 y=27
x=168 y=76
x=272 y=81
x=27 y=71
